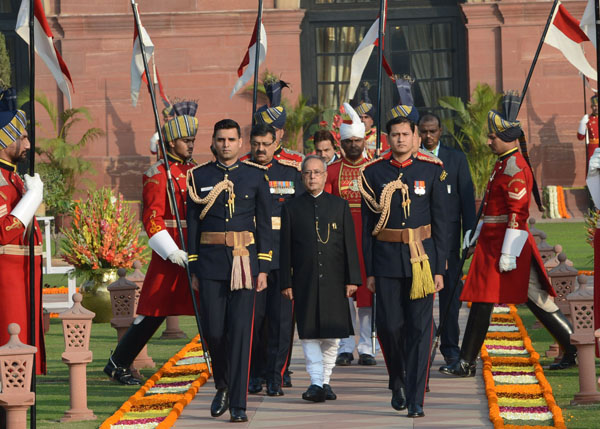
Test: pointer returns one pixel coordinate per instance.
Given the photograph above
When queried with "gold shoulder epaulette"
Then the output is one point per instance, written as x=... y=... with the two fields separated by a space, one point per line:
x=254 y=164
x=429 y=157
x=191 y=186
x=291 y=163
x=292 y=152
x=153 y=170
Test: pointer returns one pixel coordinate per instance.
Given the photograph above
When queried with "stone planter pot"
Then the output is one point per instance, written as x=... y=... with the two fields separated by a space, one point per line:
x=95 y=294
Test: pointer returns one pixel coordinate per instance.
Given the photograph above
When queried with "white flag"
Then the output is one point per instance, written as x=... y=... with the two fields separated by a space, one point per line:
x=137 y=62
x=588 y=22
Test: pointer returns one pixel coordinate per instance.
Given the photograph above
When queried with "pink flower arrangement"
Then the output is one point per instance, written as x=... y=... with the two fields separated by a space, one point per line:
x=103 y=234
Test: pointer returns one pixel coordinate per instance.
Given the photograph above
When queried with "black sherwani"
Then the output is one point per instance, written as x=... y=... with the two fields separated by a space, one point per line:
x=319 y=266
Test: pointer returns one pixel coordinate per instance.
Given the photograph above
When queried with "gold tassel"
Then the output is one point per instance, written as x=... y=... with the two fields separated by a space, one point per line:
x=422 y=283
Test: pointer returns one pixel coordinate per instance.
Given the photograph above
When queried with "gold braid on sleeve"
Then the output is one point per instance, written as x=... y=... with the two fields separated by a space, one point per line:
x=209 y=200
x=386 y=200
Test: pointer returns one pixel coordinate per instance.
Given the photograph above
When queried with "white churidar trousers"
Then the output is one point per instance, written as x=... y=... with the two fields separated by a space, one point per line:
x=320 y=355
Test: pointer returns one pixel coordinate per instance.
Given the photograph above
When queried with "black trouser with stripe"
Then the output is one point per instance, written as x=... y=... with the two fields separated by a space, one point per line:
x=405 y=331
x=270 y=355
x=227 y=321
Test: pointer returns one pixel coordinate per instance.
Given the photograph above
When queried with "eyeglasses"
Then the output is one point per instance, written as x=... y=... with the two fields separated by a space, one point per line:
x=312 y=173
x=255 y=144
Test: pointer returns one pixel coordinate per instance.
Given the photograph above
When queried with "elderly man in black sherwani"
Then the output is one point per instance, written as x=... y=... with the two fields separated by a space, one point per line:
x=319 y=270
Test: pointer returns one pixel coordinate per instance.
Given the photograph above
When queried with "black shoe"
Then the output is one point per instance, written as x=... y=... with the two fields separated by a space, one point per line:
x=451 y=359
x=287 y=379
x=344 y=359
x=220 y=403
x=398 y=399
x=415 y=410
x=314 y=393
x=329 y=394
x=255 y=385
x=459 y=368
x=365 y=359
x=120 y=374
x=568 y=360
x=238 y=415
x=274 y=389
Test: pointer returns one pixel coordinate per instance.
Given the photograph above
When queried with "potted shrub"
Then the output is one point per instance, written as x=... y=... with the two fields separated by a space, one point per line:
x=469 y=131
x=103 y=237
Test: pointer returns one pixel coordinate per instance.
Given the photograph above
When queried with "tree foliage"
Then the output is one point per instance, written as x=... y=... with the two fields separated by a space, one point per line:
x=5 y=67
x=469 y=131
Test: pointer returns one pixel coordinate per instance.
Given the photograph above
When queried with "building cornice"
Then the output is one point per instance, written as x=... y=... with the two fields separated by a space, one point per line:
x=179 y=24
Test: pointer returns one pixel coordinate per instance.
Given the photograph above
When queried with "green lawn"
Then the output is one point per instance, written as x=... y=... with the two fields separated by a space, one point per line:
x=104 y=395
x=571 y=236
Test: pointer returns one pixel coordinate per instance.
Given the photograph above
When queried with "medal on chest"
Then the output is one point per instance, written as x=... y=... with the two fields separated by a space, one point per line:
x=283 y=187
x=419 y=187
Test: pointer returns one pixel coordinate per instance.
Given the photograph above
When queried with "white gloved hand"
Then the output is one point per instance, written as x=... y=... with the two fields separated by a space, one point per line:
x=594 y=165
x=507 y=262
x=583 y=124
x=34 y=184
x=179 y=257
x=466 y=240
x=154 y=143
x=31 y=200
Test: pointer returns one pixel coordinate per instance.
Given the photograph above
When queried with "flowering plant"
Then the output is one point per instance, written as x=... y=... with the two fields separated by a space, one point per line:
x=103 y=234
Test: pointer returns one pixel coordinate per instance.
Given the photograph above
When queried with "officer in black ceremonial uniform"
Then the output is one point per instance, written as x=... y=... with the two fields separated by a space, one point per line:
x=273 y=312
x=403 y=221
x=230 y=238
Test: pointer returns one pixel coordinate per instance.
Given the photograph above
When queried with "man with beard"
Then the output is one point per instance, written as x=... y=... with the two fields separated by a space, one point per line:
x=460 y=215
x=270 y=354
x=166 y=291
x=229 y=237
x=319 y=269
x=507 y=266
x=19 y=199
x=342 y=181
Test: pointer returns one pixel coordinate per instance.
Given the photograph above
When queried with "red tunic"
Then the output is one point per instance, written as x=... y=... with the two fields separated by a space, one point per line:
x=342 y=181
x=14 y=267
x=371 y=143
x=592 y=131
x=508 y=194
x=597 y=283
x=166 y=289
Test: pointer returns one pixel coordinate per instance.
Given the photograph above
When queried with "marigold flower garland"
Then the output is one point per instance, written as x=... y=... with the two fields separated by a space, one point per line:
x=557 y=208
x=517 y=390
x=159 y=402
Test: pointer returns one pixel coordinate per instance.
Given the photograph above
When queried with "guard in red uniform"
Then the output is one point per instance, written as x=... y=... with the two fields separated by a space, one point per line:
x=589 y=125
x=366 y=112
x=18 y=202
x=166 y=289
x=342 y=181
x=507 y=267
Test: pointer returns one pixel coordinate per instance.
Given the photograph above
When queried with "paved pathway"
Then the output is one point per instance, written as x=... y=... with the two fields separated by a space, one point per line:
x=363 y=402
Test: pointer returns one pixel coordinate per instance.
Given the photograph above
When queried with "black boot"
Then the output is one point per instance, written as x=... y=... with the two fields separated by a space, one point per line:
x=560 y=328
x=129 y=347
x=477 y=327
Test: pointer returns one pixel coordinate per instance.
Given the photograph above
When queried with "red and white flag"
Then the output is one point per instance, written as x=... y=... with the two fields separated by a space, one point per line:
x=44 y=45
x=565 y=35
x=137 y=62
x=248 y=61
x=363 y=53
